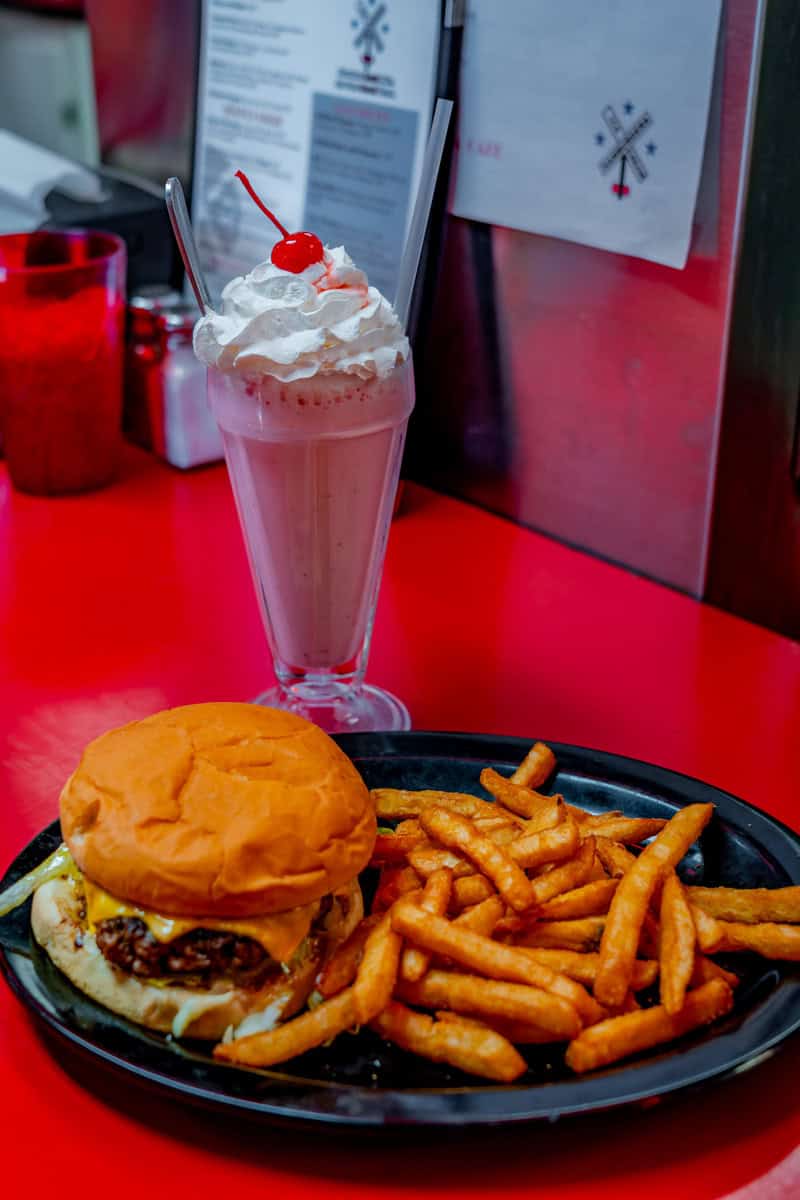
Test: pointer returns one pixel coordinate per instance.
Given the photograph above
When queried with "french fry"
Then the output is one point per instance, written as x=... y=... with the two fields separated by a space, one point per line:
x=519 y=1033
x=586 y=901
x=435 y=898
x=392 y=849
x=546 y=817
x=409 y=825
x=677 y=945
x=340 y=969
x=458 y=833
x=471 y=890
x=750 y=906
x=564 y=878
x=468 y=1045
x=491 y=824
x=493 y=998
x=552 y=845
x=583 y=967
x=708 y=930
x=769 y=939
x=481 y=954
x=706 y=968
x=631 y=830
x=536 y=767
x=481 y=918
x=294 y=1037
x=615 y=857
x=619 y=1037
x=393 y=883
x=523 y=801
x=590 y=820
x=584 y=933
x=394 y=803
x=426 y=859
x=622 y=931
x=377 y=971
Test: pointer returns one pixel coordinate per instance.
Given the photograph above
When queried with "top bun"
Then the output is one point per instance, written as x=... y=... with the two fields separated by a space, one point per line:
x=218 y=810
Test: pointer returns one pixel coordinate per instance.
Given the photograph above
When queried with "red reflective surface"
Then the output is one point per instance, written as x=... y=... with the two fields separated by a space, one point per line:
x=117 y=603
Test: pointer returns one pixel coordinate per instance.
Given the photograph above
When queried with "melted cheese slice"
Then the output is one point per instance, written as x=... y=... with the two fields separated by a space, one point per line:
x=280 y=934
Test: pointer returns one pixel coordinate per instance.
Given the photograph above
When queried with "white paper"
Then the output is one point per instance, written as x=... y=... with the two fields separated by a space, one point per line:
x=555 y=95
x=28 y=172
x=326 y=106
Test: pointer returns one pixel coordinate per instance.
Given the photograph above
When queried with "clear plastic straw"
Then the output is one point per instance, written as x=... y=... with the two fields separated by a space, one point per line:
x=409 y=264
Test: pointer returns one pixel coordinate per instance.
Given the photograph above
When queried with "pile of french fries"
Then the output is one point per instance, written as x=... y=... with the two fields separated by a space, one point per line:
x=525 y=920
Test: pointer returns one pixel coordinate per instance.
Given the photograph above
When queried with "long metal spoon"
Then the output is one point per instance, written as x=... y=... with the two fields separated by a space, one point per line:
x=182 y=228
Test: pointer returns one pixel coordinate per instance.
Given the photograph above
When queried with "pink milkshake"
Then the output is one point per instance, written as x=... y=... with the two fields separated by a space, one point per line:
x=311 y=383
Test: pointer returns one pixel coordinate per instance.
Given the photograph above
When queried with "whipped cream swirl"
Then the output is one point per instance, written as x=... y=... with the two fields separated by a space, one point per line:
x=326 y=319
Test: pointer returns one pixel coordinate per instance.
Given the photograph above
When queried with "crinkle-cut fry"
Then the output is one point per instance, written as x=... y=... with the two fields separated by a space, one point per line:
x=393 y=883
x=536 y=767
x=340 y=969
x=619 y=1037
x=568 y=875
x=468 y=1045
x=586 y=901
x=584 y=933
x=705 y=969
x=435 y=898
x=312 y=1028
x=708 y=930
x=425 y=859
x=459 y=834
x=377 y=971
x=392 y=849
x=676 y=946
x=481 y=954
x=770 y=939
x=472 y=994
x=470 y=890
x=523 y=801
x=393 y=803
x=630 y=830
x=549 y=846
x=583 y=966
x=615 y=857
x=751 y=906
x=626 y=914
x=481 y=918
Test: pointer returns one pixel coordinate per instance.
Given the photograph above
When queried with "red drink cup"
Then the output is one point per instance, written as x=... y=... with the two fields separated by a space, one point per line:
x=62 y=305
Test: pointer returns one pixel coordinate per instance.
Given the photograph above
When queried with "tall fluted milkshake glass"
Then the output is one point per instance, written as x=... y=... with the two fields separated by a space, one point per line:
x=311 y=383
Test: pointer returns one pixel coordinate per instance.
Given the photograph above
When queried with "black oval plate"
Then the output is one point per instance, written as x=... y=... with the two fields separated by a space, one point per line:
x=360 y=1081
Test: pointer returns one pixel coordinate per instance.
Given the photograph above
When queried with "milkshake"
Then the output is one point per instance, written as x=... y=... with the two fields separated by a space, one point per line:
x=311 y=383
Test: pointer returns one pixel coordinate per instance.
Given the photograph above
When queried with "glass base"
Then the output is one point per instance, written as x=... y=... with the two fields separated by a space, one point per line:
x=362 y=708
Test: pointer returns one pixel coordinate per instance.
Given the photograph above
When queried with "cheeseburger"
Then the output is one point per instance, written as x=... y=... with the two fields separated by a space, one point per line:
x=211 y=864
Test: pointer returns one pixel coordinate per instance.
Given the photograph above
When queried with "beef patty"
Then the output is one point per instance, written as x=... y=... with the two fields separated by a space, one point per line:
x=128 y=943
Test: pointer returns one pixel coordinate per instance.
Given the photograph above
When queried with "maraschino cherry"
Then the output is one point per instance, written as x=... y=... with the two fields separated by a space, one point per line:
x=295 y=251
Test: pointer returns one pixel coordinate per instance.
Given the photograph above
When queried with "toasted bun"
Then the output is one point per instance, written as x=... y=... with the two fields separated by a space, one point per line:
x=218 y=810
x=57 y=927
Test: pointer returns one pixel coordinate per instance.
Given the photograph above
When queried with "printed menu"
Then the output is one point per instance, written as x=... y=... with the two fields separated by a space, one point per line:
x=326 y=106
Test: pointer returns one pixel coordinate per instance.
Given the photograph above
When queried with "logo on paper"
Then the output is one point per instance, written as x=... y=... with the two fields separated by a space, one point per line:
x=626 y=147
x=370 y=26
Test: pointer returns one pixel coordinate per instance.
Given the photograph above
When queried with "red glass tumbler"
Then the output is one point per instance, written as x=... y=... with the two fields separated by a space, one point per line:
x=62 y=312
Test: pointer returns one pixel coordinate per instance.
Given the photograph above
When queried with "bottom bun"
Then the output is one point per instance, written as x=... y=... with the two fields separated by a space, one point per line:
x=185 y=1012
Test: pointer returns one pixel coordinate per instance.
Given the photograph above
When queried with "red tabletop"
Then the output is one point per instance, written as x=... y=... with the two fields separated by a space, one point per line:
x=138 y=597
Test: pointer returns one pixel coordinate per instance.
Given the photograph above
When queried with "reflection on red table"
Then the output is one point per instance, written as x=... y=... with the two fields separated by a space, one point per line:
x=115 y=604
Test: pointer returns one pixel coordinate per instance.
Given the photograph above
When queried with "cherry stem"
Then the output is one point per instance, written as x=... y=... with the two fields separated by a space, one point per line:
x=240 y=175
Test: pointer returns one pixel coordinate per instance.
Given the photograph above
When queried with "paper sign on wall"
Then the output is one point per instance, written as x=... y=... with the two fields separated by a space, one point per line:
x=587 y=121
x=326 y=105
